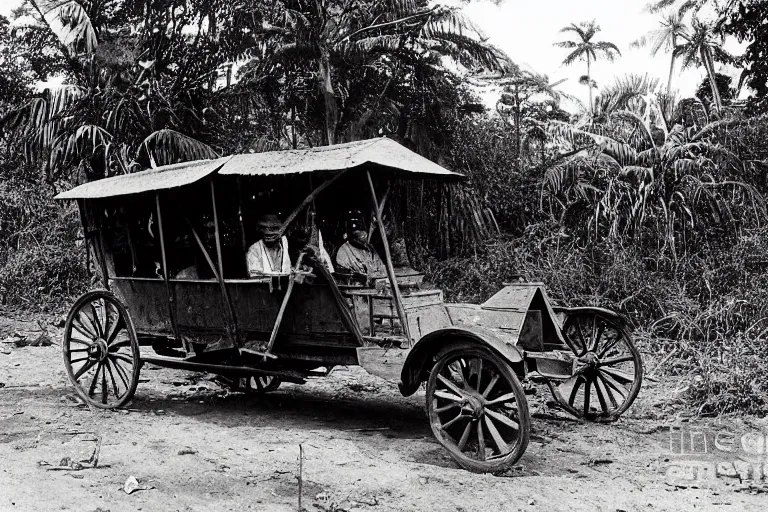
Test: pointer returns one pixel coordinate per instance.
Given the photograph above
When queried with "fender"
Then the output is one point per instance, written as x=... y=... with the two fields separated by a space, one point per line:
x=622 y=321
x=419 y=358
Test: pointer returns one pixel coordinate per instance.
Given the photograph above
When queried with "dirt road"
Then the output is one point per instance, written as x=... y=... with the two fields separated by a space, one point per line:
x=196 y=447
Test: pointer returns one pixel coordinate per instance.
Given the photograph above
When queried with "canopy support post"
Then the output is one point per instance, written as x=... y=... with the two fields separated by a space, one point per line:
x=240 y=213
x=90 y=243
x=84 y=222
x=388 y=263
x=216 y=231
x=382 y=203
x=169 y=291
x=231 y=318
x=103 y=258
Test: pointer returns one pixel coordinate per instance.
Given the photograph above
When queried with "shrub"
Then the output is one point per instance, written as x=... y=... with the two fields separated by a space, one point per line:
x=708 y=312
x=42 y=261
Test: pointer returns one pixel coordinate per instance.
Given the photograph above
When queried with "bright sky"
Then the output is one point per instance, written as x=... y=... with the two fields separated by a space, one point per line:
x=527 y=29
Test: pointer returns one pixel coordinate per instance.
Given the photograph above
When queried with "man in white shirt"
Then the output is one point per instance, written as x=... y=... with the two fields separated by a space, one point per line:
x=269 y=255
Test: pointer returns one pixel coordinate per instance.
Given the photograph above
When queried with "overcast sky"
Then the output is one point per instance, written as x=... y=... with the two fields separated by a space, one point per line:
x=527 y=29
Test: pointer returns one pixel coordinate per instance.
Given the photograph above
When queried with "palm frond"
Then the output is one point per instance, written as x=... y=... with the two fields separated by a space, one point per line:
x=575 y=55
x=72 y=25
x=167 y=146
x=608 y=49
x=366 y=47
x=567 y=44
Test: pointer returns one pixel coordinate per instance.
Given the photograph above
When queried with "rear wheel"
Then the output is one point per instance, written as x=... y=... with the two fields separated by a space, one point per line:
x=477 y=409
x=101 y=350
x=259 y=384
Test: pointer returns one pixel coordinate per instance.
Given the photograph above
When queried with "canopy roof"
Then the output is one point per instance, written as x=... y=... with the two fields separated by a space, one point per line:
x=160 y=178
x=382 y=153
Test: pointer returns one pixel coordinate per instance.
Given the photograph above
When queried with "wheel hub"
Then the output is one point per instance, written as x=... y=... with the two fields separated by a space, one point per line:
x=590 y=360
x=98 y=350
x=473 y=406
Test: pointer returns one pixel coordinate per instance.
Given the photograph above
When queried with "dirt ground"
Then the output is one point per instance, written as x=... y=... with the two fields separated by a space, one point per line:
x=194 y=446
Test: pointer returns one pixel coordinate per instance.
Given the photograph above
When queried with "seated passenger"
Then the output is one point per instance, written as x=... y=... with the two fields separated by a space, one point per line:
x=270 y=254
x=357 y=255
x=189 y=272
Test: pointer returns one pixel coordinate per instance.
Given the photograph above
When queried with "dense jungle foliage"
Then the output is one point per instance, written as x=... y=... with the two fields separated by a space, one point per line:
x=644 y=202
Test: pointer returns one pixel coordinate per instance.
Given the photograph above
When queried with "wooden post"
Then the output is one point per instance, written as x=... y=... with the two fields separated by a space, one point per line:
x=166 y=278
x=216 y=231
x=98 y=249
x=281 y=312
x=232 y=320
x=230 y=317
x=84 y=223
x=103 y=257
x=240 y=213
x=382 y=203
x=388 y=263
x=301 y=476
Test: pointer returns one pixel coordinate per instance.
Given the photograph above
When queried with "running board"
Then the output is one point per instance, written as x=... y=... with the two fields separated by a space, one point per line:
x=180 y=364
x=546 y=366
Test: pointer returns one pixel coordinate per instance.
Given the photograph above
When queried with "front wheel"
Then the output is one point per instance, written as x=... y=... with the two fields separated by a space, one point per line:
x=101 y=350
x=607 y=371
x=478 y=410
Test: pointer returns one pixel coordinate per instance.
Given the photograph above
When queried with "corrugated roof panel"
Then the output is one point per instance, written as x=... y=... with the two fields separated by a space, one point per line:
x=160 y=178
x=382 y=151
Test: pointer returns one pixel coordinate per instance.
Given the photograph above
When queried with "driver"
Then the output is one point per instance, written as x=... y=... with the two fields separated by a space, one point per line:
x=270 y=254
x=357 y=255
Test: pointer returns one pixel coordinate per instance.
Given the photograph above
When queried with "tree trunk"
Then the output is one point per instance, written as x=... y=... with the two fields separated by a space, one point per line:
x=671 y=67
x=518 y=135
x=589 y=84
x=709 y=65
x=331 y=109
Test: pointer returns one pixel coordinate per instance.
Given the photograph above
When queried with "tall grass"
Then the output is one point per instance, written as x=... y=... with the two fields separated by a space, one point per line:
x=704 y=315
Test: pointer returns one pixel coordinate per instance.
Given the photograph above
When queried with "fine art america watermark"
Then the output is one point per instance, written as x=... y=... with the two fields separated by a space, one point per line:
x=706 y=456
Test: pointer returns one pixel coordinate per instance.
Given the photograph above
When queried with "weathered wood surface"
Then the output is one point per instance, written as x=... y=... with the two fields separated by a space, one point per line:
x=386 y=363
x=310 y=308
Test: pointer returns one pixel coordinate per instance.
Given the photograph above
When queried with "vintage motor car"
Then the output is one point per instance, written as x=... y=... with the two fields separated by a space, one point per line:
x=170 y=246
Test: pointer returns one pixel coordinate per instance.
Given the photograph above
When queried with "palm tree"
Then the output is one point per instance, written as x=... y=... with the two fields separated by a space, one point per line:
x=116 y=111
x=702 y=47
x=324 y=36
x=587 y=49
x=519 y=89
x=666 y=38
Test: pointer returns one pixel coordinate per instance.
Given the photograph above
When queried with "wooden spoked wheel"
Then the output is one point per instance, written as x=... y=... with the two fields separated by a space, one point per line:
x=607 y=372
x=101 y=350
x=260 y=384
x=478 y=410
